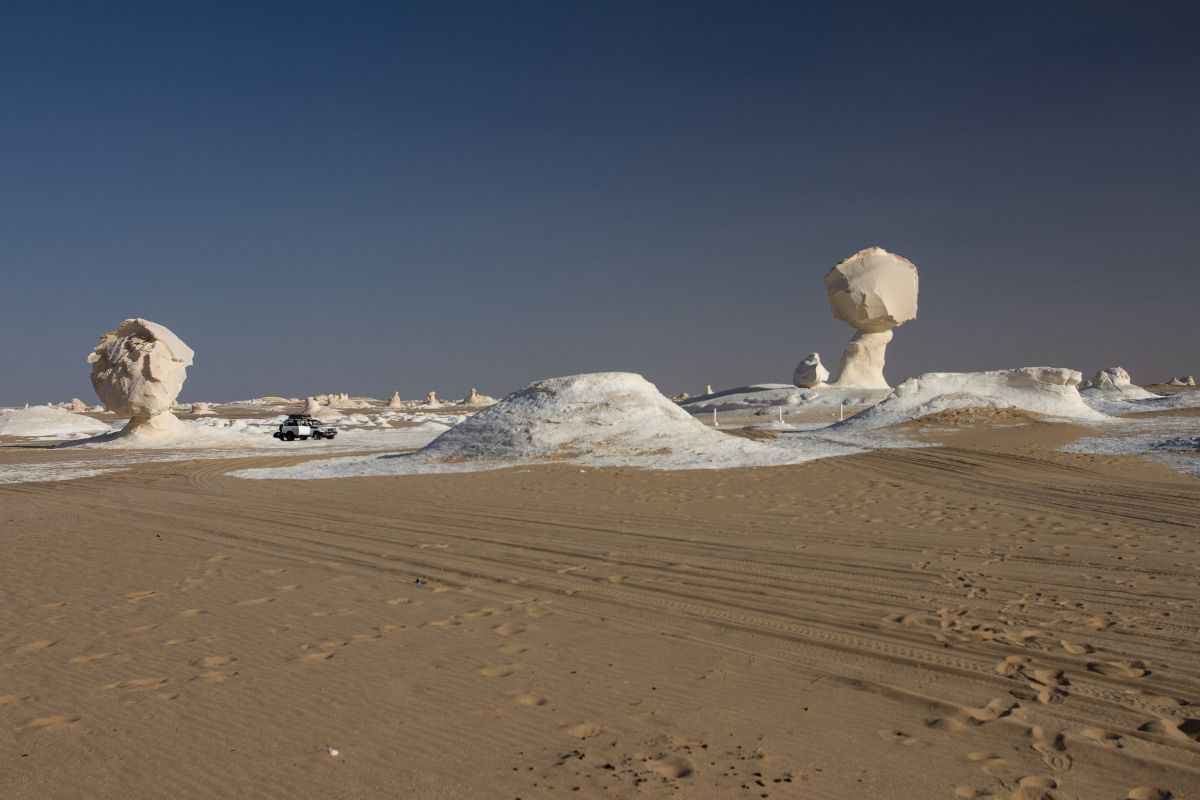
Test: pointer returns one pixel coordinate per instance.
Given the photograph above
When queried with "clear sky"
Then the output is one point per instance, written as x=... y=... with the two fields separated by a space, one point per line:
x=361 y=197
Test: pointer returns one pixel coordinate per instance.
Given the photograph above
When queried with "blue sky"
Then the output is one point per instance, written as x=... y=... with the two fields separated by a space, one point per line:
x=365 y=197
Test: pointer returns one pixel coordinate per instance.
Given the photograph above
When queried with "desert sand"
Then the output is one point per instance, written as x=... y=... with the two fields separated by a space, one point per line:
x=988 y=618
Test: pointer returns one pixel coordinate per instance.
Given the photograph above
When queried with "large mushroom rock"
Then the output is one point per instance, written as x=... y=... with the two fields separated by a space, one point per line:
x=873 y=291
x=395 y=402
x=810 y=373
x=137 y=371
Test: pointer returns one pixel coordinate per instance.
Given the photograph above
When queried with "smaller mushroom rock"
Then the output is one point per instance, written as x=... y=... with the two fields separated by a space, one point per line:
x=431 y=399
x=810 y=372
x=395 y=402
x=77 y=405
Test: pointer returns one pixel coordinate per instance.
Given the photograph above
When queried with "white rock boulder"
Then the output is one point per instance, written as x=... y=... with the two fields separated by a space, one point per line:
x=873 y=291
x=137 y=371
x=1115 y=382
x=810 y=373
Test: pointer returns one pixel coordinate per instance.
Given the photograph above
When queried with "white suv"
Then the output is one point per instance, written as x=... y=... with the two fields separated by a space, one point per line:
x=300 y=426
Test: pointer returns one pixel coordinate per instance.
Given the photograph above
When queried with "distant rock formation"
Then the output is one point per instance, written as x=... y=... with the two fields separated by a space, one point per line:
x=77 y=405
x=1182 y=380
x=476 y=400
x=313 y=406
x=431 y=399
x=1115 y=381
x=708 y=388
x=810 y=373
x=395 y=402
x=202 y=409
x=137 y=371
x=873 y=291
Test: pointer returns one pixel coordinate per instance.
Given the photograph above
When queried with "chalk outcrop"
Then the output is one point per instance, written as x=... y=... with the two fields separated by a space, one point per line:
x=1182 y=380
x=476 y=400
x=810 y=373
x=313 y=406
x=77 y=406
x=49 y=422
x=202 y=409
x=1048 y=391
x=395 y=402
x=1115 y=382
x=431 y=400
x=873 y=291
x=137 y=371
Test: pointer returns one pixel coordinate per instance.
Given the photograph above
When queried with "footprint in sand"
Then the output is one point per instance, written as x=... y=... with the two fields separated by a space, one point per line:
x=508 y=629
x=215 y=676
x=398 y=601
x=212 y=662
x=12 y=699
x=1180 y=728
x=255 y=601
x=52 y=723
x=33 y=647
x=1101 y=736
x=314 y=658
x=191 y=613
x=93 y=658
x=584 y=730
x=1147 y=793
x=1051 y=747
x=498 y=671
x=1120 y=669
x=1077 y=649
x=269 y=572
x=511 y=649
x=137 y=684
x=137 y=597
x=149 y=626
x=530 y=700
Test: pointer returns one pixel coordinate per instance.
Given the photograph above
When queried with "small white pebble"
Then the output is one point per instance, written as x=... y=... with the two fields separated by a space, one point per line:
x=332 y=751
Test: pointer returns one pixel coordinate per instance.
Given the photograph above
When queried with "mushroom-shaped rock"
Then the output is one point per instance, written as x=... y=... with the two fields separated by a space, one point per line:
x=395 y=402
x=810 y=372
x=137 y=371
x=872 y=291
x=431 y=399
x=708 y=388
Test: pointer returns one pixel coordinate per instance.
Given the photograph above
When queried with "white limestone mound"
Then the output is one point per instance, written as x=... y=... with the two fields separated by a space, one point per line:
x=765 y=397
x=810 y=373
x=606 y=418
x=137 y=371
x=1115 y=382
x=327 y=414
x=476 y=400
x=47 y=421
x=1182 y=380
x=312 y=406
x=395 y=402
x=873 y=291
x=1047 y=391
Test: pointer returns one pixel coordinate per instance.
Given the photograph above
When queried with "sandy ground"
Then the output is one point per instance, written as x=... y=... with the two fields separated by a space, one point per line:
x=992 y=618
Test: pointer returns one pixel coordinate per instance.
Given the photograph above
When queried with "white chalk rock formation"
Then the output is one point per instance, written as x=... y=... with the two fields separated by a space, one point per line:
x=395 y=402
x=1115 y=382
x=1048 y=391
x=137 y=371
x=202 y=409
x=476 y=400
x=77 y=406
x=810 y=372
x=873 y=291
x=708 y=388
x=1182 y=380
x=47 y=421
x=431 y=399
x=328 y=414
x=313 y=406
x=595 y=417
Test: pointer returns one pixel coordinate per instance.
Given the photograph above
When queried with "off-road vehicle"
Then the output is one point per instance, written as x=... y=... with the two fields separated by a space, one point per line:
x=302 y=426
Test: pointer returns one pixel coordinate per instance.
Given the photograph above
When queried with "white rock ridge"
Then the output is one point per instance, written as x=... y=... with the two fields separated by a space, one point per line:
x=137 y=371
x=810 y=373
x=872 y=291
x=1048 y=391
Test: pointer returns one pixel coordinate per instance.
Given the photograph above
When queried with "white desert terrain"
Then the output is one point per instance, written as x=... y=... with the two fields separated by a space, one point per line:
x=976 y=585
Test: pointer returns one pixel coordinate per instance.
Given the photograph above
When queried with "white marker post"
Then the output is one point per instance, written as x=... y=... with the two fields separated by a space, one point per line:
x=841 y=410
x=715 y=423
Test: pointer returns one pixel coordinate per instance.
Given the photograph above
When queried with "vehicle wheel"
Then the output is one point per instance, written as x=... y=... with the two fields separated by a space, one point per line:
x=289 y=436
x=304 y=438
x=316 y=436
